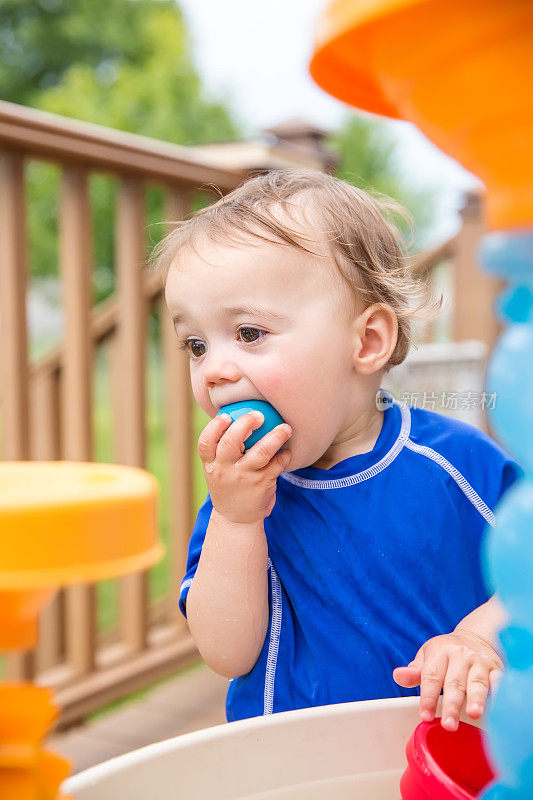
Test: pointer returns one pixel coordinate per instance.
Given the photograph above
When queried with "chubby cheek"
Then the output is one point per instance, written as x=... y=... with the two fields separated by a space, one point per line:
x=201 y=395
x=276 y=386
x=313 y=407
x=295 y=387
x=294 y=395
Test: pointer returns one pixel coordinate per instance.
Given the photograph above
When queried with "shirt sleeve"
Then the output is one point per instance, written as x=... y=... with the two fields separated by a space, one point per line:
x=507 y=473
x=195 y=548
x=481 y=461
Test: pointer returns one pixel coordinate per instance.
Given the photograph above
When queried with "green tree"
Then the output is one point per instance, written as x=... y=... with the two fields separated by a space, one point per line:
x=40 y=40
x=126 y=64
x=160 y=96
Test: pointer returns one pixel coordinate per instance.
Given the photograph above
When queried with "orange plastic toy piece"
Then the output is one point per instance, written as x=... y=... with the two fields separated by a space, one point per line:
x=27 y=772
x=459 y=70
x=60 y=523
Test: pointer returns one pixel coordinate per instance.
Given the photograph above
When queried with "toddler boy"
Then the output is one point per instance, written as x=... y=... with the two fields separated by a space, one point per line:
x=346 y=542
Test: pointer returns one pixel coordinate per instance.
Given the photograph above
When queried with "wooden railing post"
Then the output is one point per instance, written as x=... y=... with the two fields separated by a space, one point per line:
x=474 y=291
x=13 y=280
x=178 y=396
x=45 y=445
x=76 y=385
x=14 y=339
x=45 y=423
x=130 y=379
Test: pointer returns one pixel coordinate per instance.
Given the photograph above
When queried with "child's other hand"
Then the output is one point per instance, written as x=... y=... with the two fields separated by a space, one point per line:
x=242 y=487
x=463 y=665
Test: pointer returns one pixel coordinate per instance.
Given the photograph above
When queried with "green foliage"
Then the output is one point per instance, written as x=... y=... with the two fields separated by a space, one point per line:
x=160 y=96
x=125 y=64
x=41 y=40
x=367 y=150
x=43 y=190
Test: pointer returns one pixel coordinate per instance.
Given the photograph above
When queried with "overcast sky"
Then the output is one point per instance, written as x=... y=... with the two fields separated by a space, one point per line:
x=256 y=55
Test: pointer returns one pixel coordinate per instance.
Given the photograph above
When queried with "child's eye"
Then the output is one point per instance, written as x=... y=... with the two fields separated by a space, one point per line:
x=250 y=335
x=197 y=348
x=193 y=347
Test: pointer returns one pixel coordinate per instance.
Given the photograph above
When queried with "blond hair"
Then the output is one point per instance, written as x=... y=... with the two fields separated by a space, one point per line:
x=361 y=233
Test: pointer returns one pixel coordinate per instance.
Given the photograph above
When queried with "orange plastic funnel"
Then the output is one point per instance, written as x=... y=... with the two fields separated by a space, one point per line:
x=67 y=522
x=459 y=70
x=60 y=523
x=26 y=770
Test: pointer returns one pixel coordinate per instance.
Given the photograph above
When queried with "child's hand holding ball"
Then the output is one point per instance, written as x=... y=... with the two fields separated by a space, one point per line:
x=242 y=455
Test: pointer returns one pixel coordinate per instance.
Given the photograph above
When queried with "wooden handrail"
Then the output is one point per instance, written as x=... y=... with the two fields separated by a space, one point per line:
x=424 y=262
x=49 y=136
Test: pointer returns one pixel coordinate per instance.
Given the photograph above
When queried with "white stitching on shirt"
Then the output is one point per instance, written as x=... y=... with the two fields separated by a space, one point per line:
x=185 y=584
x=273 y=645
x=460 y=480
x=351 y=480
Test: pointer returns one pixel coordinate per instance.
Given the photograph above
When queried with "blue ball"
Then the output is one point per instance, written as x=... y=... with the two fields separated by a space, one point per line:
x=272 y=418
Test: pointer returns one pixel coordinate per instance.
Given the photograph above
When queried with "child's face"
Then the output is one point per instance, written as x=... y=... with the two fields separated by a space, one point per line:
x=295 y=351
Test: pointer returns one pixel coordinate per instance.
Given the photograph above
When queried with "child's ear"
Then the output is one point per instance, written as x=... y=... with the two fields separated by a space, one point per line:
x=375 y=332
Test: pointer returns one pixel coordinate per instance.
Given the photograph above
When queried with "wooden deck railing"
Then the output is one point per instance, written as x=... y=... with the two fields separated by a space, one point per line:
x=47 y=407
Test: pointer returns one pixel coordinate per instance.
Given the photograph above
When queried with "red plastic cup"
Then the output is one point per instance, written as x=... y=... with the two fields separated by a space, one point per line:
x=445 y=765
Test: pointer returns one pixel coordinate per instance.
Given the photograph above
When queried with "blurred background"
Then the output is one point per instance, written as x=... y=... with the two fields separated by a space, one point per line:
x=220 y=91
x=192 y=73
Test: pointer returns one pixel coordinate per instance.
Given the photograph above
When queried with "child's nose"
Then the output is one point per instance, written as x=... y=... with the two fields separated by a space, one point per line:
x=217 y=370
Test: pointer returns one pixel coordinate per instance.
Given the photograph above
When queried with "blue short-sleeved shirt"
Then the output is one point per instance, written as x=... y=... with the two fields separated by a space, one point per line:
x=368 y=560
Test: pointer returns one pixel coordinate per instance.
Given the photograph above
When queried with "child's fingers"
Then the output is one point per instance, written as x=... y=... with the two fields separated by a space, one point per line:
x=278 y=463
x=265 y=449
x=477 y=689
x=407 y=676
x=230 y=446
x=433 y=674
x=410 y=675
x=455 y=685
x=210 y=436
